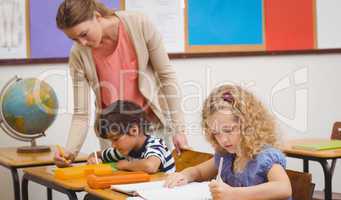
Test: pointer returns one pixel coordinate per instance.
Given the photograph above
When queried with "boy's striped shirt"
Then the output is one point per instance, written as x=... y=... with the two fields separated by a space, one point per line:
x=153 y=146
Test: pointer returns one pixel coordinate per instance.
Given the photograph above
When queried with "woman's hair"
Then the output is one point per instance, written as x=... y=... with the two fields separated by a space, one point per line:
x=73 y=12
x=257 y=126
x=119 y=117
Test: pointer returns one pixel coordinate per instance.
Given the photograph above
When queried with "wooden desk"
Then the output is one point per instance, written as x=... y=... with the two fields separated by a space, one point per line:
x=110 y=194
x=320 y=156
x=12 y=160
x=45 y=177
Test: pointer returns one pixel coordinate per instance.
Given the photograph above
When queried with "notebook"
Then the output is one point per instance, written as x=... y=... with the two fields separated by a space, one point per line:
x=328 y=145
x=155 y=191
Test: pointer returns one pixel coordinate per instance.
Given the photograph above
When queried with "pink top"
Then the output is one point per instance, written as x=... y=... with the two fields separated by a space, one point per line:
x=117 y=71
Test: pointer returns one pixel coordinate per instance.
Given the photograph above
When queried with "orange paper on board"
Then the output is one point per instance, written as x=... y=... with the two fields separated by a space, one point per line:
x=290 y=24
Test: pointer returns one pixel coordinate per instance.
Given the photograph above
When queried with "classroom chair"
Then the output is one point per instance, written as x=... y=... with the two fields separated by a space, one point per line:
x=301 y=185
x=189 y=158
x=336 y=132
x=335 y=135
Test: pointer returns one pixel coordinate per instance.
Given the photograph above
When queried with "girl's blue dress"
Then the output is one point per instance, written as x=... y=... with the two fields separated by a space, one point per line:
x=255 y=171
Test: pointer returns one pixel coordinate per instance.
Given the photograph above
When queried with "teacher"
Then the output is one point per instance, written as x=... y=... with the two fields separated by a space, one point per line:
x=120 y=56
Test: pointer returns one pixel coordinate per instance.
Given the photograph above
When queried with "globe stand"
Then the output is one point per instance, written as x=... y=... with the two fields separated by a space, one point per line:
x=33 y=148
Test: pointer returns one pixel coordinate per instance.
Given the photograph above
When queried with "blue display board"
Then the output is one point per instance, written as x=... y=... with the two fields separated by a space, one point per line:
x=225 y=22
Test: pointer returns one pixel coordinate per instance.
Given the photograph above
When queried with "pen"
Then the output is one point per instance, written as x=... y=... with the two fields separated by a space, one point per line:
x=218 y=178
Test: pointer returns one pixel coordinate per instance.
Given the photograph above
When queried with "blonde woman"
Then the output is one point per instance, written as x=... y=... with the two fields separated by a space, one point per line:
x=120 y=56
x=243 y=134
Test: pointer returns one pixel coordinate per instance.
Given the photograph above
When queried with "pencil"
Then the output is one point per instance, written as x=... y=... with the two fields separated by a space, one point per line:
x=62 y=153
x=96 y=157
x=218 y=178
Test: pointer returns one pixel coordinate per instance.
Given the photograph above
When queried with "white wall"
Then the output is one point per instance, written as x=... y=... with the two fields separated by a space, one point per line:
x=309 y=81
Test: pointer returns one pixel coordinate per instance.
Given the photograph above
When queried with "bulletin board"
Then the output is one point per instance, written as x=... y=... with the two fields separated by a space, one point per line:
x=211 y=28
x=244 y=26
x=224 y=25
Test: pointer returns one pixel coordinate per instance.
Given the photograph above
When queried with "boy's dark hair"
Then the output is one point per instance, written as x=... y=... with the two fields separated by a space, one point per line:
x=119 y=117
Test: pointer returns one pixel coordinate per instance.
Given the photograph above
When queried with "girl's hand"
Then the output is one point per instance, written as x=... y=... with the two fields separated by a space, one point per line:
x=92 y=159
x=176 y=179
x=220 y=190
x=63 y=159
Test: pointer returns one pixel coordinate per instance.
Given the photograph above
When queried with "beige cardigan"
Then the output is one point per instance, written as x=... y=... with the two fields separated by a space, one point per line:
x=156 y=79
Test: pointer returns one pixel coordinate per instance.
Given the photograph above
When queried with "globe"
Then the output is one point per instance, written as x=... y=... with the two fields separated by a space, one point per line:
x=28 y=107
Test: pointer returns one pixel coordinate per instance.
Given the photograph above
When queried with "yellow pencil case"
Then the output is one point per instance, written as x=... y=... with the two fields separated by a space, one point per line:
x=82 y=171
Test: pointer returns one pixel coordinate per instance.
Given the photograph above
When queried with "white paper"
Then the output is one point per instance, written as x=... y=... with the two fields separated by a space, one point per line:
x=167 y=16
x=138 y=186
x=183 y=4
x=12 y=29
x=156 y=191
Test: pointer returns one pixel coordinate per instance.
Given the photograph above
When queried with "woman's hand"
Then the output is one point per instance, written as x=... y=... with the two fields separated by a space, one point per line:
x=220 y=190
x=176 y=179
x=92 y=159
x=63 y=158
x=180 y=142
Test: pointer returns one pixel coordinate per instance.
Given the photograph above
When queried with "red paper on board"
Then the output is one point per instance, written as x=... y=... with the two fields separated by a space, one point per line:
x=289 y=24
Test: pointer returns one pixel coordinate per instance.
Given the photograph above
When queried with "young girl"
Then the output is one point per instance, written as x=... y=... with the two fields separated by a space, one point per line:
x=243 y=134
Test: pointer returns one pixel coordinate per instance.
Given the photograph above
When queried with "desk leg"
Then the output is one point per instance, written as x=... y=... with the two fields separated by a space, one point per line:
x=91 y=197
x=305 y=165
x=72 y=195
x=49 y=193
x=327 y=179
x=16 y=183
x=24 y=187
x=27 y=177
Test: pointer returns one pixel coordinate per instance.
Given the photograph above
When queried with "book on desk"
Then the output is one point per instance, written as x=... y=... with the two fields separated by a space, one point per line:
x=319 y=146
x=155 y=190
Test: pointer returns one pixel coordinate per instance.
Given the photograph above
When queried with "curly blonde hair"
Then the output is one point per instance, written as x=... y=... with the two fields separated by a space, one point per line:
x=257 y=126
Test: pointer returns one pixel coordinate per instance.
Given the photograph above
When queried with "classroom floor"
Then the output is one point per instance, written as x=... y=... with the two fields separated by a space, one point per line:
x=319 y=195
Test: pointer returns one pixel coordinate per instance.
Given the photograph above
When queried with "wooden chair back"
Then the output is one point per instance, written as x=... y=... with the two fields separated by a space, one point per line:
x=189 y=158
x=336 y=133
x=301 y=185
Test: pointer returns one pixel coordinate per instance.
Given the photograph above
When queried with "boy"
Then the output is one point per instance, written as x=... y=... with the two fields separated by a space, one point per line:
x=125 y=124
